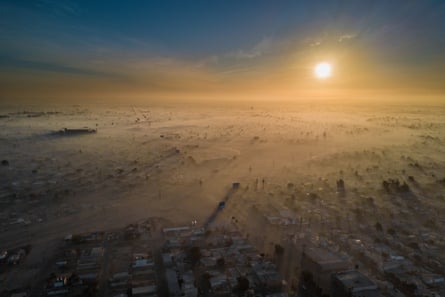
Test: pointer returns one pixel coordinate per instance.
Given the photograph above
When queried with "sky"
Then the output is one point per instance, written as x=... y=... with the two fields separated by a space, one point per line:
x=74 y=51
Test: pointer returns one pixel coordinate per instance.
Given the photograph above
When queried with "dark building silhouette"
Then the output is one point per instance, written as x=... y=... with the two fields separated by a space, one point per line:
x=322 y=264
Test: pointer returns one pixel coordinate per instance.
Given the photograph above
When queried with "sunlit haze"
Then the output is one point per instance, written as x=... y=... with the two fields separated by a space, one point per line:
x=222 y=148
x=323 y=70
x=114 y=51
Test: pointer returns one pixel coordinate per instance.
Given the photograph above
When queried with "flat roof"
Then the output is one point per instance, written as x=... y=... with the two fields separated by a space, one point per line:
x=23 y=294
x=355 y=280
x=176 y=229
x=322 y=256
x=172 y=282
x=142 y=263
x=144 y=290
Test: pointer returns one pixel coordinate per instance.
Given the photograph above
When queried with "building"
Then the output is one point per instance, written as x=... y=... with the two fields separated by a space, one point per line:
x=353 y=283
x=322 y=264
x=275 y=225
x=79 y=131
x=433 y=279
x=172 y=283
x=147 y=291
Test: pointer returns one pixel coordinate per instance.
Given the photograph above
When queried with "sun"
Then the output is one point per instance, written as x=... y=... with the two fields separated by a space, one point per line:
x=323 y=70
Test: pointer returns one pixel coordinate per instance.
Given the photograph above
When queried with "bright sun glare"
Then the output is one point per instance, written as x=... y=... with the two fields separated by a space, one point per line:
x=323 y=70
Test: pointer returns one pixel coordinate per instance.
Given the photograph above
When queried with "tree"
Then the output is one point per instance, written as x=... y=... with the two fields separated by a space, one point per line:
x=385 y=185
x=279 y=250
x=340 y=185
x=404 y=188
x=414 y=245
x=243 y=284
x=204 y=285
x=220 y=262
x=307 y=276
x=195 y=255
x=391 y=231
x=378 y=227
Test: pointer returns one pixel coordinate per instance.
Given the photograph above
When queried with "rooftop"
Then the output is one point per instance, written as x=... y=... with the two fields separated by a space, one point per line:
x=355 y=280
x=144 y=290
x=322 y=256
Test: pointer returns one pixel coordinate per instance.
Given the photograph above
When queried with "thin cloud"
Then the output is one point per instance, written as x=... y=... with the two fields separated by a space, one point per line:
x=346 y=37
x=60 y=7
x=258 y=50
x=19 y=64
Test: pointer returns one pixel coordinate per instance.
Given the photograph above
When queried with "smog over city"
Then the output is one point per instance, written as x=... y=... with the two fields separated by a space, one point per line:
x=222 y=148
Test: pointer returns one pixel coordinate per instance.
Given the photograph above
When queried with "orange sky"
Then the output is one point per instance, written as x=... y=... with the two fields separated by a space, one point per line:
x=67 y=52
x=286 y=76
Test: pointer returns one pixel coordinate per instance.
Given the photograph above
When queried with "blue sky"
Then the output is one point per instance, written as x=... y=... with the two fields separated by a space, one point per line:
x=154 y=47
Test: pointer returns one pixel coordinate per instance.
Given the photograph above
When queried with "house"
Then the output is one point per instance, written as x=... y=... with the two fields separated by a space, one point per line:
x=79 y=131
x=146 y=291
x=353 y=283
x=142 y=264
x=433 y=279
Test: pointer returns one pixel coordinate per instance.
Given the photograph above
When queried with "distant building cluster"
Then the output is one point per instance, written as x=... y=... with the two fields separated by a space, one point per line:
x=214 y=262
x=147 y=259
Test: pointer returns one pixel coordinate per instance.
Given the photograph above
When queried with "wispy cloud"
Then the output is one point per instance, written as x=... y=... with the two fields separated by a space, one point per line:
x=315 y=43
x=258 y=50
x=27 y=65
x=60 y=7
x=345 y=37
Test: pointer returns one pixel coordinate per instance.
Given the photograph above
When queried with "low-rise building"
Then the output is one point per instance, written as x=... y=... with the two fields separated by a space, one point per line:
x=146 y=291
x=353 y=283
x=172 y=283
x=322 y=263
